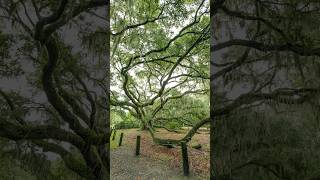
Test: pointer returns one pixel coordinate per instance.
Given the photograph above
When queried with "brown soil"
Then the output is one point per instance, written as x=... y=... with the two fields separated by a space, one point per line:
x=156 y=155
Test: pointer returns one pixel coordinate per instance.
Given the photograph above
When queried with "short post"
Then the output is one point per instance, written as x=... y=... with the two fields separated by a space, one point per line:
x=185 y=161
x=120 y=141
x=138 y=145
x=114 y=134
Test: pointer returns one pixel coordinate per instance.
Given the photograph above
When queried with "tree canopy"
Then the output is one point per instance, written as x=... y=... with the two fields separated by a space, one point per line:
x=54 y=74
x=160 y=62
x=264 y=89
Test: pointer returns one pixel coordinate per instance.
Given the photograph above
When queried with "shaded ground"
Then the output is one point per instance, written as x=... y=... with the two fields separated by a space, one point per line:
x=157 y=162
x=126 y=166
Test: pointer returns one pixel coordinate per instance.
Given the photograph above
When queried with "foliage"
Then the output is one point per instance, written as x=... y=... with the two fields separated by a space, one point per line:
x=159 y=65
x=123 y=120
x=53 y=84
x=173 y=125
x=265 y=92
x=127 y=124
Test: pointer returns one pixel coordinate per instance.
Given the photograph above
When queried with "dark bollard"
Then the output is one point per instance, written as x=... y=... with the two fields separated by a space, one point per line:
x=120 y=141
x=138 y=145
x=185 y=161
x=114 y=134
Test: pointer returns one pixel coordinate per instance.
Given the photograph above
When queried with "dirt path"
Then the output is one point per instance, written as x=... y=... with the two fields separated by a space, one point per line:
x=126 y=166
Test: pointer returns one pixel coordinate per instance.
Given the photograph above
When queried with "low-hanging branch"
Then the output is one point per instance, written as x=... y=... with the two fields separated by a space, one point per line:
x=90 y=141
x=296 y=48
x=246 y=99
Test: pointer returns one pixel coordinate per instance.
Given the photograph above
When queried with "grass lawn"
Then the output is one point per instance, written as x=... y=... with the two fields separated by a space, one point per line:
x=115 y=143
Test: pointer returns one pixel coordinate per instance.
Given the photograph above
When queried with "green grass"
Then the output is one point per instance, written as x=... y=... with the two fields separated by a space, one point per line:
x=115 y=143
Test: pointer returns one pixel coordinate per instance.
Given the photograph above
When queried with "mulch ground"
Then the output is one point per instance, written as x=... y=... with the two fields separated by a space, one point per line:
x=170 y=157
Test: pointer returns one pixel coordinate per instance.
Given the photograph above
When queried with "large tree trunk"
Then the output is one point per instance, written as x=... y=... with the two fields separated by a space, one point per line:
x=144 y=127
x=147 y=126
x=186 y=138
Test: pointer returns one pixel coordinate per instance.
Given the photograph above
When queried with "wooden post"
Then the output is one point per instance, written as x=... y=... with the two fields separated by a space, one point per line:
x=185 y=161
x=138 y=145
x=120 y=141
x=114 y=134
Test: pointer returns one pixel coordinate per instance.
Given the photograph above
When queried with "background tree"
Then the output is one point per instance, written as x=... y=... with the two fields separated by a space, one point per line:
x=51 y=48
x=264 y=89
x=160 y=55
